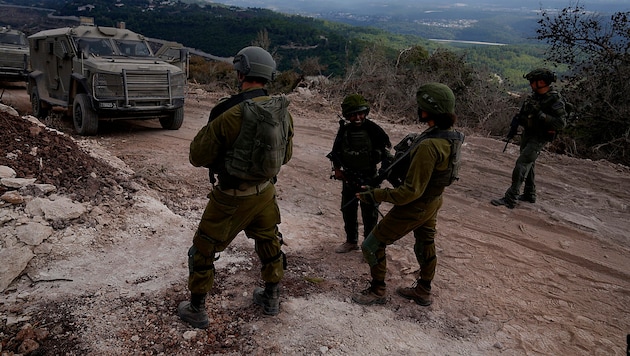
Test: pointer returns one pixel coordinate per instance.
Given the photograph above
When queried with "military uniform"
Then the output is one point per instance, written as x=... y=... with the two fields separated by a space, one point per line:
x=538 y=130
x=417 y=199
x=359 y=149
x=231 y=210
x=416 y=205
x=360 y=145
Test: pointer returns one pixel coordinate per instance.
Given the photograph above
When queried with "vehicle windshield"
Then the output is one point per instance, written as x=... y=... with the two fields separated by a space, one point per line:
x=133 y=48
x=95 y=46
x=12 y=38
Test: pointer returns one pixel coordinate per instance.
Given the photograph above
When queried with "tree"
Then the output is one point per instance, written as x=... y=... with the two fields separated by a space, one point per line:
x=595 y=49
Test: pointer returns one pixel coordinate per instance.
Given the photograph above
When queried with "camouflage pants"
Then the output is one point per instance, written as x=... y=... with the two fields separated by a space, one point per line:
x=369 y=214
x=419 y=217
x=224 y=217
x=524 y=169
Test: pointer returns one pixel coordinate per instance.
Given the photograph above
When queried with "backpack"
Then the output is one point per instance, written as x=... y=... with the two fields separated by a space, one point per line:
x=400 y=165
x=259 y=150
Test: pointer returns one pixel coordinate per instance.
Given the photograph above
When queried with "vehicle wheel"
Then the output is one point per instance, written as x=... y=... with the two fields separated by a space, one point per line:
x=173 y=122
x=39 y=111
x=84 y=118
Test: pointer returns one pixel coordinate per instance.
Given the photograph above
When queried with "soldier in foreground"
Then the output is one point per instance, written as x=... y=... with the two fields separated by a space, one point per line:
x=433 y=164
x=542 y=115
x=360 y=145
x=245 y=198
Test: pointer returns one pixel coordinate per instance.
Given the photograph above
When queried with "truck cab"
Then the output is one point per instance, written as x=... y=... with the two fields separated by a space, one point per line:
x=13 y=55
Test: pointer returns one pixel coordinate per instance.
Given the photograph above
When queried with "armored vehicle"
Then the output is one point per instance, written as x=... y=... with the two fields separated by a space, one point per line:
x=104 y=73
x=13 y=55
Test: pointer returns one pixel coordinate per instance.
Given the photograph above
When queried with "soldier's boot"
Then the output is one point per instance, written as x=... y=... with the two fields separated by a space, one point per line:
x=376 y=293
x=194 y=311
x=418 y=293
x=268 y=298
x=529 y=197
x=504 y=201
x=347 y=247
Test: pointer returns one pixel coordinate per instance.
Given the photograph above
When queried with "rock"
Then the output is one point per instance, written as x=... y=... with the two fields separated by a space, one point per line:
x=12 y=197
x=59 y=209
x=33 y=233
x=9 y=110
x=14 y=260
x=7 y=172
x=38 y=190
x=16 y=182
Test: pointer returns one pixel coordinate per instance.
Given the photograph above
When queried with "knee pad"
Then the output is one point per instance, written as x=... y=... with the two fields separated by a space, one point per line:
x=369 y=247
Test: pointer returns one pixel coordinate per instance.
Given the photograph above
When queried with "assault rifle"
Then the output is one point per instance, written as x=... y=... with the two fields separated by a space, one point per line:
x=513 y=131
x=350 y=176
x=384 y=172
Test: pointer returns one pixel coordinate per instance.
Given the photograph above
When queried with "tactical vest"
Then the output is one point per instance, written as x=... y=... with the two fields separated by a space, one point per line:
x=356 y=150
x=402 y=157
x=260 y=148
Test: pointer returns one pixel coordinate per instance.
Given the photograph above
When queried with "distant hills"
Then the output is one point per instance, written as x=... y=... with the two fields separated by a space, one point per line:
x=222 y=30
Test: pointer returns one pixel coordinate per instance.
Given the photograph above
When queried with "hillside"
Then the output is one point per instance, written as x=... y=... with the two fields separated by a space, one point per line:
x=222 y=30
x=549 y=278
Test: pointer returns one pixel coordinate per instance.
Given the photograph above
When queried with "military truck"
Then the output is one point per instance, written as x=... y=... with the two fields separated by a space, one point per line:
x=104 y=73
x=13 y=55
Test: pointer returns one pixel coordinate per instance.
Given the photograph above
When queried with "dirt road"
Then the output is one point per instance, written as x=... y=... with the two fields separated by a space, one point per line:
x=547 y=278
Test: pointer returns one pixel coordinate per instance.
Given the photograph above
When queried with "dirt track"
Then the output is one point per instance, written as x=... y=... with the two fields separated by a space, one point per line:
x=549 y=278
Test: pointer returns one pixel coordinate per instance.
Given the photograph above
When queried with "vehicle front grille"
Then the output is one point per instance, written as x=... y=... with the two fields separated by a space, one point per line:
x=143 y=86
x=13 y=60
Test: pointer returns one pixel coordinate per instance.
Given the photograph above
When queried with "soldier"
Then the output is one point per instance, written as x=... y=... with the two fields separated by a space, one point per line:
x=542 y=115
x=360 y=145
x=238 y=204
x=433 y=164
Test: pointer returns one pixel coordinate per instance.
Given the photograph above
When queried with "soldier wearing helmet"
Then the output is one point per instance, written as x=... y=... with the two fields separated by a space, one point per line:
x=237 y=204
x=359 y=147
x=417 y=200
x=542 y=115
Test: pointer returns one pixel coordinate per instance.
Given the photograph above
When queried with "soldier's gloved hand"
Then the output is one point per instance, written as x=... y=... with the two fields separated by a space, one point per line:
x=542 y=116
x=339 y=174
x=367 y=196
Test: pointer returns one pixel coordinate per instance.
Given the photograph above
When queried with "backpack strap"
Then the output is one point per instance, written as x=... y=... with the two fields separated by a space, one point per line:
x=235 y=100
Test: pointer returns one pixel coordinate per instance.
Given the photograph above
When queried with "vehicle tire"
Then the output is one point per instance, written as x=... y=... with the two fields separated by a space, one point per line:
x=173 y=122
x=84 y=118
x=39 y=109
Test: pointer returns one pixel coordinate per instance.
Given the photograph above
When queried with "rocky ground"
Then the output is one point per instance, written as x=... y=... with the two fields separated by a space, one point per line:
x=105 y=225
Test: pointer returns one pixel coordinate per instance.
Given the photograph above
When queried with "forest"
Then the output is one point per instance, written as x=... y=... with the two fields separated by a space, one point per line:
x=588 y=51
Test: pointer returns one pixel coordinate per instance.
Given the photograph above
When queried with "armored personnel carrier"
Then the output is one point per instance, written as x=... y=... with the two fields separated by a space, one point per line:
x=104 y=73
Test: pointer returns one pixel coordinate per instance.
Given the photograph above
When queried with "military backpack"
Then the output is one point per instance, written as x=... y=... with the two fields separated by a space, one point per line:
x=260 y=148
x=400 y=165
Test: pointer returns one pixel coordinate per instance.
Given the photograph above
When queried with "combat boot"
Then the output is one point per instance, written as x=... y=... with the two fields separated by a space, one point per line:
x=194 y=311
x=268 y=298
x=347 y=247
x=376 y=293
x=504 y=201
x=530 y=198
x=418 y=293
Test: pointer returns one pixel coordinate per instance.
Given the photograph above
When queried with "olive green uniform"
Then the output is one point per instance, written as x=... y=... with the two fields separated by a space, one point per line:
x=542 y=116
x=416 y=205
x=234 y=207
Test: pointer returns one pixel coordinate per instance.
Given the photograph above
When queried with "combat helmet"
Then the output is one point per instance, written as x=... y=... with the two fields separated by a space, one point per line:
x=254 y=61
x=541 y=74
x=354 y=103
x=436 y=98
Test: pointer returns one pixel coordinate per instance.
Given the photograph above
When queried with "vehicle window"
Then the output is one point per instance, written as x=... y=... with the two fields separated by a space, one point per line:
x=12 y=38
x=133 y=48
x=95 y=46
